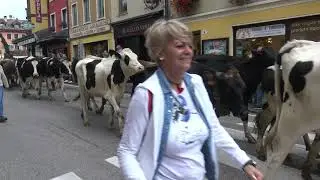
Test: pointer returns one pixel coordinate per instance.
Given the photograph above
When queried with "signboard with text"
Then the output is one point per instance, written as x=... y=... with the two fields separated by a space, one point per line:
x=261 y=31
x=38 y=11
x=306 y=29
x=89 y=29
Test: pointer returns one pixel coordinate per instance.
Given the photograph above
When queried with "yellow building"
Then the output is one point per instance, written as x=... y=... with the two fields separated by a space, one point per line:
x=90 y=31
x=38 y=16
x=232 y=29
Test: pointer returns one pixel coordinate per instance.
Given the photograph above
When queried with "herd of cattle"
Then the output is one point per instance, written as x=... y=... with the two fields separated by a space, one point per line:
x=288 y=78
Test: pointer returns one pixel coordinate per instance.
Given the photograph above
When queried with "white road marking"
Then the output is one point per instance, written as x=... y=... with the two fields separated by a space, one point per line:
x=67 y=176
x=114 y=161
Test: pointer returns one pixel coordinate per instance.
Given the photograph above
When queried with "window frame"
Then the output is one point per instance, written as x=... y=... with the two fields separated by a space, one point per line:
x=89 y=12
x=55 y=21
x=65 y=8
x=72 y=14
x=104 y=9
x=121 y=12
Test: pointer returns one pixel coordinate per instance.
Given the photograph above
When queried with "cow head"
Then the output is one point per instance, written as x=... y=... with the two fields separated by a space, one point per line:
x=59 y=68
x=231 y=88
x=129 y=59
x=264 y=55
x=31 y=65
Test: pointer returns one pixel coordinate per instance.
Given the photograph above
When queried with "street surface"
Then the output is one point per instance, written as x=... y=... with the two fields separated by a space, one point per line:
x=45 y=140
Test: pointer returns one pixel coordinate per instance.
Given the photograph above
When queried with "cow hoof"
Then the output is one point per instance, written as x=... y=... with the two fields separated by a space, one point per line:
x=86 y=124
x=24 y=95
x=82 y=115
x=66 y=100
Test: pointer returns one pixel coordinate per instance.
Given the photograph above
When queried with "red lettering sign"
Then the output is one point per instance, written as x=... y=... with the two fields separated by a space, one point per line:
x=38 y=11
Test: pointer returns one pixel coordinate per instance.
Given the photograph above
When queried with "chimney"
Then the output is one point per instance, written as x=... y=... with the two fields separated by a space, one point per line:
x=5 y=18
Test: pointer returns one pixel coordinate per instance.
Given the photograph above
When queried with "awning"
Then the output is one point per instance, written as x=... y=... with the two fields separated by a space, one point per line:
x=29 y=39
x=47 y=35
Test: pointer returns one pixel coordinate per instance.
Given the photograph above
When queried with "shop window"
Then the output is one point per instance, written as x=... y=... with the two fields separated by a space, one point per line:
x=86 y=10
x=64 y=18
x=16 y=36
x=248 y=39
x=197 y=42
x=215 y=46
x=123 y=6
x=74 y=15
x=100 y=5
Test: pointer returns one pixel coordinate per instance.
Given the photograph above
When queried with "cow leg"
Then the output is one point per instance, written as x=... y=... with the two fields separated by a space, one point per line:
x=39 y=87
x=311 y=159
x=84 y=98
x=104 y=101
x=61 y=82
x=262 y=120
x=117 y=112
x=25 y=86
x=50 y=87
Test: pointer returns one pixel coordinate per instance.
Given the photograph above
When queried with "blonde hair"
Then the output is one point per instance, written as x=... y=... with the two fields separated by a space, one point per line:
x=163 y=31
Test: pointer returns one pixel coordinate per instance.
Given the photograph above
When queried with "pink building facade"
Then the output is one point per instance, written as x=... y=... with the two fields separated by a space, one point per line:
x=12 y=29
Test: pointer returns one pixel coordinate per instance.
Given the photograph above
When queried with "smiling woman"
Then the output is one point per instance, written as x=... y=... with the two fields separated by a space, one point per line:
x=171 y=129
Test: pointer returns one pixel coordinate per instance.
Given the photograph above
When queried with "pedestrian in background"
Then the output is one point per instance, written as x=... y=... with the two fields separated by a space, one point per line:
x=171 y=130
x=3 y=83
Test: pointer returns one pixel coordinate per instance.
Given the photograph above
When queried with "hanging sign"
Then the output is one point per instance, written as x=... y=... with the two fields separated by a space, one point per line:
x=261 y=31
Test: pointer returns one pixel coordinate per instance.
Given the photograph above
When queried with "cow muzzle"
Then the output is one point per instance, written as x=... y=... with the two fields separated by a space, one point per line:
x=35 y=75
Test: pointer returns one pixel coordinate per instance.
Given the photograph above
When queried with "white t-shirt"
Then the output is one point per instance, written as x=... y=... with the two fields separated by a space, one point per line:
x=183 y=158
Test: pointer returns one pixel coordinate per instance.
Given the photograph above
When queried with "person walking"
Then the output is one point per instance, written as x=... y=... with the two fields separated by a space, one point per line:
x=3 y=83
x=171 y=129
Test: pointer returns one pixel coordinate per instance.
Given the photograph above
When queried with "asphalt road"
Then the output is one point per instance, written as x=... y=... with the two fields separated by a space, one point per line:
x=45 y=139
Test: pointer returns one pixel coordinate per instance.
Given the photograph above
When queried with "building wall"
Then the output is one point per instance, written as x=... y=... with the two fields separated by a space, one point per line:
x=202 y=6
x=134 y=8
x=44 y=15
x=55 y=6
x=218 y=24
x=90 y=32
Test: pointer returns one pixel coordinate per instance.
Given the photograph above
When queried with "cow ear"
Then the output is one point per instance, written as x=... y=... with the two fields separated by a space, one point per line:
x=126 y=59
x=113 y=52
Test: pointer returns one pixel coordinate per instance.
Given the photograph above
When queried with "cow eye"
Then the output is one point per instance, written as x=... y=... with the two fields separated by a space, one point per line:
x=126 y=59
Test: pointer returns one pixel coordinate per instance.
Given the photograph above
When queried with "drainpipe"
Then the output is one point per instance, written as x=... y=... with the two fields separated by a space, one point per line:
x=166 y=10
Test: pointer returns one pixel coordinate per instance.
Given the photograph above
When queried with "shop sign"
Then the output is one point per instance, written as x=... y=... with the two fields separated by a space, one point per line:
x=38 y=11
x=89 y=29
x=305 y=27
x=27 y=41
x=261 y=31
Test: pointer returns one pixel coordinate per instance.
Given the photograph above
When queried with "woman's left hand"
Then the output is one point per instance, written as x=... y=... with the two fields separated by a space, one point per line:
x=253 y=173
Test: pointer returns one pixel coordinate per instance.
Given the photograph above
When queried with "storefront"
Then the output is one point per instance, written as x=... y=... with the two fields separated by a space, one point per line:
x=29 y=42
x=130 y=33
x=52 y=42
x=274 y=34
x=91 y=39
x=235 y=30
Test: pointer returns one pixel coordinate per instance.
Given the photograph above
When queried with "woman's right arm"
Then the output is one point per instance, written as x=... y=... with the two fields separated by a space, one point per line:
x=135 y=125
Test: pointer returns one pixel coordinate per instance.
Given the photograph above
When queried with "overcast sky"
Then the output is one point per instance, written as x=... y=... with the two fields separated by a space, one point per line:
x=16 y=8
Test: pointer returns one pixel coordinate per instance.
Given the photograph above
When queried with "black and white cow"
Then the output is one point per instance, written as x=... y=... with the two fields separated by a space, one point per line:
x=37 y=69
x=297 y=111
x=28 y=73
x=53 y=70
x=106 y=77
